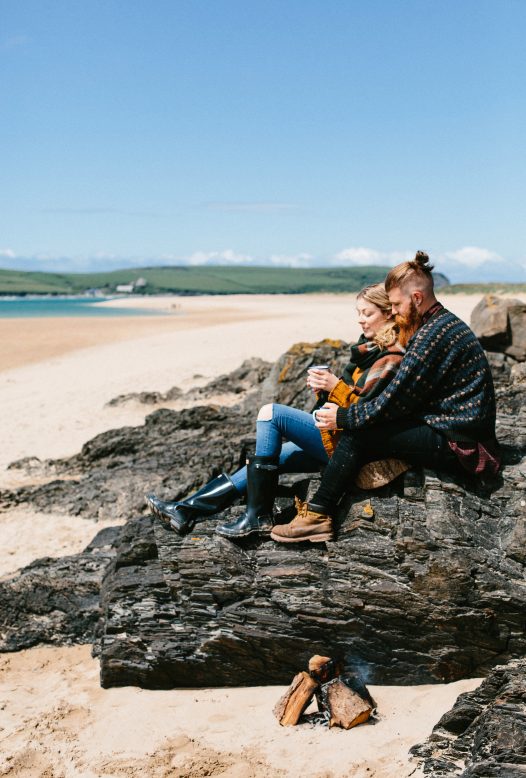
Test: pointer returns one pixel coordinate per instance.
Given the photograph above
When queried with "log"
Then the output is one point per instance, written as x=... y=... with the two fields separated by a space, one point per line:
x=289 y=708
x=346 y=707
x=323 y=668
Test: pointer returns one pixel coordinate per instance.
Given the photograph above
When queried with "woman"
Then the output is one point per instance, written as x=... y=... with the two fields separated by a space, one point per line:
x=374 y=361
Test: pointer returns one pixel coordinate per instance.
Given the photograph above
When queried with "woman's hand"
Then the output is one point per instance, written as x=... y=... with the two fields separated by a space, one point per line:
x=326 y=416
x=321 y=380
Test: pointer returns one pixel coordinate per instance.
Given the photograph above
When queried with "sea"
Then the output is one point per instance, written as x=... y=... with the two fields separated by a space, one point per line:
x=38 y=307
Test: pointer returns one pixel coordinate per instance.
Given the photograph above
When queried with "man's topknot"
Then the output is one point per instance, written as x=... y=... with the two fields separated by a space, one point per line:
x=421 y=262
x=405 y=271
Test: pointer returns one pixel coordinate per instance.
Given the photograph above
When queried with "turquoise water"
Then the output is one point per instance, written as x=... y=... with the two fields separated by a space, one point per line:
x=23 y=307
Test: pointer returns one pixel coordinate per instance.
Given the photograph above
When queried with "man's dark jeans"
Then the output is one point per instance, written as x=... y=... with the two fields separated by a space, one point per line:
x=412 y=441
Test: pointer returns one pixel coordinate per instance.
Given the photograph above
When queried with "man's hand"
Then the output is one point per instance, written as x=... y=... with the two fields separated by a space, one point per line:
x=326 y=417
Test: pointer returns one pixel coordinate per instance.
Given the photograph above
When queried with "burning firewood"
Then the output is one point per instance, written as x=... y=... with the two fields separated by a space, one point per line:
x=346 y=706
x=324 y=668
x=343 y=699
x=295 y=700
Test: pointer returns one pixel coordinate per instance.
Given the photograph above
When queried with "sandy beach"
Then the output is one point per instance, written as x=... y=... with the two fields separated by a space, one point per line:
x=56 y=379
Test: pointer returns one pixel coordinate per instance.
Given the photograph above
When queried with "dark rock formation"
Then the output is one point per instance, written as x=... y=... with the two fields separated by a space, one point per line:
x=431 y=589
x=484 y=734
x=244 y=380
x=56 y=601
x=500 y=325
x=147 y=398
x=424 y=582
x=173 y=453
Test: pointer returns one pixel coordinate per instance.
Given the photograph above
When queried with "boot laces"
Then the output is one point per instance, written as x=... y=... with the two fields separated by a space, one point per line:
x=302 y=509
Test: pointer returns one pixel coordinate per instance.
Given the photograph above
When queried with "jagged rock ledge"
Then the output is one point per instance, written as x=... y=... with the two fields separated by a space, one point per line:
x=56 y=601
x=484 y=734
x=432 y=589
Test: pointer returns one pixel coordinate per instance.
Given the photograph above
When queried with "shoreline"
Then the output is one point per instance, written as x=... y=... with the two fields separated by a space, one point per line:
x=32 y=340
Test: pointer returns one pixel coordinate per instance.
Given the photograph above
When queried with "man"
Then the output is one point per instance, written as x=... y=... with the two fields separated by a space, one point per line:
x=438 y=411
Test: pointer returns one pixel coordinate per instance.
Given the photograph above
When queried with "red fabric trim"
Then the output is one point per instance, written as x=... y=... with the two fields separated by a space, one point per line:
x=478 y=458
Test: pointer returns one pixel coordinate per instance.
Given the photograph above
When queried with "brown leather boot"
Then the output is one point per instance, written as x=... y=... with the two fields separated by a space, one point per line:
x=311 y=522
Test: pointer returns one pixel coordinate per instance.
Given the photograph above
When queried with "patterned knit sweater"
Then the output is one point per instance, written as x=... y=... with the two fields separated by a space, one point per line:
x=444 y=380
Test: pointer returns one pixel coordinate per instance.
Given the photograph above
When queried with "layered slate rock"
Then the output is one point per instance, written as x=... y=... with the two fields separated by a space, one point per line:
x=425 y=582
x=484 y=734
x=430 y=589
x=56 y=601
x=243 y=380
x=173 y=453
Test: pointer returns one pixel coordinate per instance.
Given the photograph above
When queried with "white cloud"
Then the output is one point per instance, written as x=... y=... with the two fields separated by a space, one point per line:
x=471 y=256
x=360 y=255
x=467 y=264
x=291 y=260
x=104 y=255
x=471 y=264
x=226 y=257
x=230 y=257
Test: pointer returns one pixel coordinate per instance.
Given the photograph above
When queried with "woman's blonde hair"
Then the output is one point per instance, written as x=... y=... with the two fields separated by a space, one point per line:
x=376 y=295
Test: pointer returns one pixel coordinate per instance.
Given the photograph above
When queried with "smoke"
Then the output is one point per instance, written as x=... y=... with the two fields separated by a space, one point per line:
x=356 y=665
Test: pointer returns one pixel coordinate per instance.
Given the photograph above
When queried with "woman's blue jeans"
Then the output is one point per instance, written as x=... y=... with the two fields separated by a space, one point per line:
x=302 y=453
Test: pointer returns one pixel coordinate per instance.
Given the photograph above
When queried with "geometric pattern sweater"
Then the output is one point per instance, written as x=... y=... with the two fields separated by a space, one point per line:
x=443 y=380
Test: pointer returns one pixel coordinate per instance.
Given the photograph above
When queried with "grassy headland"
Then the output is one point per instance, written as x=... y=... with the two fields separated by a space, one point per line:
x=196 y=280
x=217 y=280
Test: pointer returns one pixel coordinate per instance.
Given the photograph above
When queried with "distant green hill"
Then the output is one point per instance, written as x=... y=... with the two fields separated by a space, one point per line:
x=197 y=280
x=17 y=282
x=204 y=279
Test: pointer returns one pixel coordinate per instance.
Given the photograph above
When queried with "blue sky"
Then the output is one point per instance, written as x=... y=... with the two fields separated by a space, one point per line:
x=299 y=132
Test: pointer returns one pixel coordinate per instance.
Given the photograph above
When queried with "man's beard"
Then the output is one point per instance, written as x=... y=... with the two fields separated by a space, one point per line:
x=408 y=325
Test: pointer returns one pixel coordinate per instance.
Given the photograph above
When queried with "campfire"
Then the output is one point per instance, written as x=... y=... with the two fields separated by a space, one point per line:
x=343 y=699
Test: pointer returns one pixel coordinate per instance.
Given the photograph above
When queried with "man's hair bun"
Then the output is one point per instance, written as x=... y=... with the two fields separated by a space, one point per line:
x=421 y=262
x=419 y=267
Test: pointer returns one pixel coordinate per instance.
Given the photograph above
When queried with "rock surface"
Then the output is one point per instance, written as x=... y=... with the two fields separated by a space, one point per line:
x=56 y=601
x=430 y=589
x=425 y=581
x=484 y=734
x=500 y=325
x=243 y=380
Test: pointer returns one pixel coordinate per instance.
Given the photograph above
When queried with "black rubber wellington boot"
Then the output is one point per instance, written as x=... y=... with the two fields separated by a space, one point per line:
x=180 y=515
x=262 y=478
